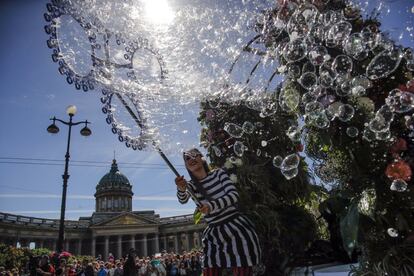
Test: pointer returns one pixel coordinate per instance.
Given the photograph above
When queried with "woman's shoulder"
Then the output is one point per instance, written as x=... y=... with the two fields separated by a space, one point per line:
x=218 y=172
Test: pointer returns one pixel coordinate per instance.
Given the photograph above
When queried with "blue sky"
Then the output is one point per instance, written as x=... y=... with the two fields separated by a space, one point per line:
x=33 y=91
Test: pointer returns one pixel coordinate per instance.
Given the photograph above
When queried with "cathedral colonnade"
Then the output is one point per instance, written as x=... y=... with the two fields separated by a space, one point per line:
x=114 y=227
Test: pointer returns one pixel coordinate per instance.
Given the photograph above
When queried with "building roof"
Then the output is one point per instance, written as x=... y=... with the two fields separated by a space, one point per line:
x=114 y=181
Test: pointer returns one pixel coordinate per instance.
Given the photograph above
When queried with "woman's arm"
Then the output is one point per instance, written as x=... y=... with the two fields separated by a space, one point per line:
x=182 y=193
x=231 y=196
x=182 y=196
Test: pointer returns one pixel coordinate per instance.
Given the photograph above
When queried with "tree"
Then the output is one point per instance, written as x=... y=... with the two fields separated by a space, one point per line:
x=348 y=96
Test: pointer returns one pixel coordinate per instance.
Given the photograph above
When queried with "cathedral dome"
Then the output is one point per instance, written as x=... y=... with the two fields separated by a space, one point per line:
x=114 y=192
x=114 y=180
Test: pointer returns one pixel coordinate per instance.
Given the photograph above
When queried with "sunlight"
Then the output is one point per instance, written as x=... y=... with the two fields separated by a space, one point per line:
x=158 y=12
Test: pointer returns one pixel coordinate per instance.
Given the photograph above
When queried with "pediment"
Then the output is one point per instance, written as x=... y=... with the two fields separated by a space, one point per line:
x=126 y=219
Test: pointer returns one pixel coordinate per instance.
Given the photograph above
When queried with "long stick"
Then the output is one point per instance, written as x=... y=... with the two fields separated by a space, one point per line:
x=157 y=148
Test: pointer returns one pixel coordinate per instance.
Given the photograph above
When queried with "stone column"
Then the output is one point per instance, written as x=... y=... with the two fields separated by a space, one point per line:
x=41 y=243
x=67 y=245
x=165 y=242
x=200 y=238
x=176 y=243
x=133 y=241
x=79 y=247
x=144 y=245
x=93 y=246
x=187 y=242
x=54 y=245
x=106 y=250
x=157 y=243
x=119 y=246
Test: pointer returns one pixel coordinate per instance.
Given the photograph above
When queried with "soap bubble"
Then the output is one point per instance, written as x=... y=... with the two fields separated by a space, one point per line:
x=342 y=65
x=384 y=64
x=294 y=71
x=358 y=91
x=277 y=161
x=233 y=130
x=308 y=67
x=398 y=185
x=326 y=75
x=333 y=110
x=400 y=101
x=345 y=89
x=361 y=81
x=294 y=50
x=290 y=162
x=345 y=112
x=308 y=97
x=356 y=46
x=352 y=131
x=393 y=233
x=308 y=80
x=294 y=133
x=297 y=26
x=248 y=127
x=289 y=174
x=317 y=55
x=263 y=143
x=313 y=107
x=368 y=135
x=239 y=148
x=339 y=32
x=383 y=135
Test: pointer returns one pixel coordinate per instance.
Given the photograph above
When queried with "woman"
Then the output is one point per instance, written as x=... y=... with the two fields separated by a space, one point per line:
x=229 y=240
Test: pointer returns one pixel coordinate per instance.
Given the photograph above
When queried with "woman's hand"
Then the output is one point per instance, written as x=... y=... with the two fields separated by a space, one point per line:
x=181 y=183
x=205 y=209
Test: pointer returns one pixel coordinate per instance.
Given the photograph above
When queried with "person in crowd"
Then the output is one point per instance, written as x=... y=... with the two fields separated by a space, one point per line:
x=230 y=239
x=182 y=271
x=130 y=267
x=111 y=258
x=102 y=271
x=70 y=270
x=174 y=268
x=45 y=268
x=118 y=270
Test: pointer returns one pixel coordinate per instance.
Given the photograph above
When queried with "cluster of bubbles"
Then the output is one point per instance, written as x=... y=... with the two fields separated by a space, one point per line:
x=288 y=165
x=162 y=69
x=157 y=61
x=327 y=80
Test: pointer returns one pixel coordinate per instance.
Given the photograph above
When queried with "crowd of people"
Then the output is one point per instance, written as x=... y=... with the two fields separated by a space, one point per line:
x=162 y=264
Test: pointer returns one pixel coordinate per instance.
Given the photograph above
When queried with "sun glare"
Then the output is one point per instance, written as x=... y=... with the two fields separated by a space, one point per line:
x=158 y=12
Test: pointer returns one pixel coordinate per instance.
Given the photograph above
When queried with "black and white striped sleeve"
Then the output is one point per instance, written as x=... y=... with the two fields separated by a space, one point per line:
x=231 y=196
x=183 y=196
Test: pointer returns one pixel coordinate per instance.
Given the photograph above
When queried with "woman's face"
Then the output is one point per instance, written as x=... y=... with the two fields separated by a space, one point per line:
x=193 y=162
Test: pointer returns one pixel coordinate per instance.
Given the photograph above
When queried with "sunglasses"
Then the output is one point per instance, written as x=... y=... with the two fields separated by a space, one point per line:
x=190 y=156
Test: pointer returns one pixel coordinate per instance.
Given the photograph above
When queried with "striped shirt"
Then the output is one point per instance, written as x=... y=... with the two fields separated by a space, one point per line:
x=222 y=194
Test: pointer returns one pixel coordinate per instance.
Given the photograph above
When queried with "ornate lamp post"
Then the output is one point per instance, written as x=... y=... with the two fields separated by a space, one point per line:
x=85 y=131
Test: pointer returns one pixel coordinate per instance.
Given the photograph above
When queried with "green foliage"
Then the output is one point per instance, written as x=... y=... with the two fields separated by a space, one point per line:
x=360 y=201
x=12 y=257
x=284 y=211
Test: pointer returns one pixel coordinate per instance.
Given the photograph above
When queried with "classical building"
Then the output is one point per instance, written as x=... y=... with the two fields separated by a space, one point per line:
x=112 y=228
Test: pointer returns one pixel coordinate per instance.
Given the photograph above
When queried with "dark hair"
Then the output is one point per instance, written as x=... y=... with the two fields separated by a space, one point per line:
x=205 y=165
x=200 y=188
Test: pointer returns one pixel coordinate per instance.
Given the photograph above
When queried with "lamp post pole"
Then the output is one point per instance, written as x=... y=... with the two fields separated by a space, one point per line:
x=71 y=110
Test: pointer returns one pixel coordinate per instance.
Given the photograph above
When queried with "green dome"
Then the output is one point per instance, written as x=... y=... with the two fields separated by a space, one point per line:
x=114 y=181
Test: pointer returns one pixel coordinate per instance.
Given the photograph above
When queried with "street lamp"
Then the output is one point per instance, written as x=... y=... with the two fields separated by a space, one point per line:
x=85 y=131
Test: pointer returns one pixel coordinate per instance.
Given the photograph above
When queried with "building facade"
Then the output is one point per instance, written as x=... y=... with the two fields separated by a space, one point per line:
x=112 y=228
